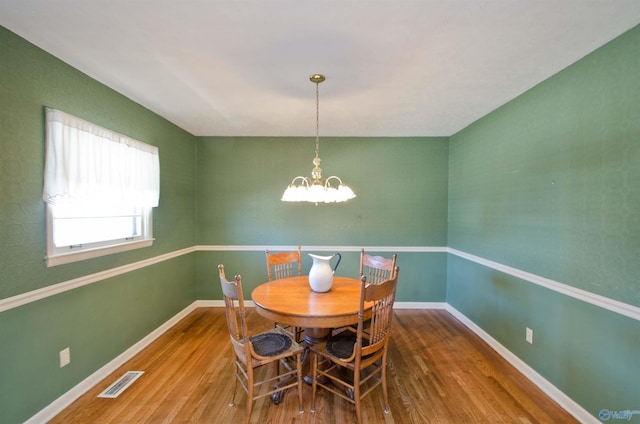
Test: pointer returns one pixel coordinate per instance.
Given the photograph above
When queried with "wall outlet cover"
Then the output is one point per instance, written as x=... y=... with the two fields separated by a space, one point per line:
x=65 y=357
x=529 y=335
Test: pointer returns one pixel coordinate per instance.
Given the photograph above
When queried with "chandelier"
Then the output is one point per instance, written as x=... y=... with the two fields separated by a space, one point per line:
x=315 y=190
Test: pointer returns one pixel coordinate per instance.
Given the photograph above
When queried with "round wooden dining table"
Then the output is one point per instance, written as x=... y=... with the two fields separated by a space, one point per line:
x=291 y=301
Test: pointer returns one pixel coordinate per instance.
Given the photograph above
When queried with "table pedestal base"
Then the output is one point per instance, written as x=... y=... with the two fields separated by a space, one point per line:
x=313 y=336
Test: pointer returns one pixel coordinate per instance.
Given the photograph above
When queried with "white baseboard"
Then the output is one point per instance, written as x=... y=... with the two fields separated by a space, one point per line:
x=568 y=404
x=88 y=383
x=216 y=303
x=419 y=305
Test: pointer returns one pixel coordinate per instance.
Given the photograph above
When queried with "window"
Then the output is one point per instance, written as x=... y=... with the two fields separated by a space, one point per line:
x=100 y=188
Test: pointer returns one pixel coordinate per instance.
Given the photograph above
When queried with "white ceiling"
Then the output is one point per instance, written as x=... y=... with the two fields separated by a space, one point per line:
x=393 y=67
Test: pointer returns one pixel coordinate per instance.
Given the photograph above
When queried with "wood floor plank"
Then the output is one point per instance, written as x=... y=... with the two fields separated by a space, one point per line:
x=438 y=372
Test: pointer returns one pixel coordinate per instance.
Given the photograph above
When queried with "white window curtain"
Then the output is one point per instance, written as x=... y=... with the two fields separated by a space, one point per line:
x=88 y=163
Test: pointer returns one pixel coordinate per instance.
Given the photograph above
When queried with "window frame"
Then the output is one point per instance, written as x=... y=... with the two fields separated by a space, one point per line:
x=69 y=254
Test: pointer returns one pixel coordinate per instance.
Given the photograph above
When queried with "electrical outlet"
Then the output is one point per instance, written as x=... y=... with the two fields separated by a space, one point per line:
x=529 y=335
x=65 y=357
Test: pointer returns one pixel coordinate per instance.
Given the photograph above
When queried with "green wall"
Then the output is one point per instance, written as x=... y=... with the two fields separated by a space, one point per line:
x=101 y=320
x=550 y=184
x=401 y=184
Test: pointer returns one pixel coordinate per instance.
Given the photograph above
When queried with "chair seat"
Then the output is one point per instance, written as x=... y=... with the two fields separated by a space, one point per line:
x=270 y=344
x=341 y=345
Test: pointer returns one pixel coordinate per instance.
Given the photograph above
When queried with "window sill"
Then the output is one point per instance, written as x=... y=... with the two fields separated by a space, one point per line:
x=70 y=257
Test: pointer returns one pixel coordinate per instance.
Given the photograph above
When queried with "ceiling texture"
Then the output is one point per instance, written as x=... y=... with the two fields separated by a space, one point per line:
x=393 y=67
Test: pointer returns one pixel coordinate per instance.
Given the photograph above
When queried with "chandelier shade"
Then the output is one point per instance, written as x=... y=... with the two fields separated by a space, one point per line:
x=314 y=189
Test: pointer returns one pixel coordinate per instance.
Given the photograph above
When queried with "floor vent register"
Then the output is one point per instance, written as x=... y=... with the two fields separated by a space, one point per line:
x=121 y=384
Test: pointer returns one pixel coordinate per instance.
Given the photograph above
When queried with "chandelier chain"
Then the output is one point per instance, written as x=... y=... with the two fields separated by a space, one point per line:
x=317 y=120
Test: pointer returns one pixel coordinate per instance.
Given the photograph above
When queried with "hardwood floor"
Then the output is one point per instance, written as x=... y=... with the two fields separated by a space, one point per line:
x=438 y=372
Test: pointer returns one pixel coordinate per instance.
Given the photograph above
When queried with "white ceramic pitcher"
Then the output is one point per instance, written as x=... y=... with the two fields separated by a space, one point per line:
x=321 y=274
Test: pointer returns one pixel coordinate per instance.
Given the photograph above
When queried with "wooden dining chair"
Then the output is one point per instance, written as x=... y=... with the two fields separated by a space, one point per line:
x=363 y=354
x=284 y=265
x=254 y=351
x=377 y=268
